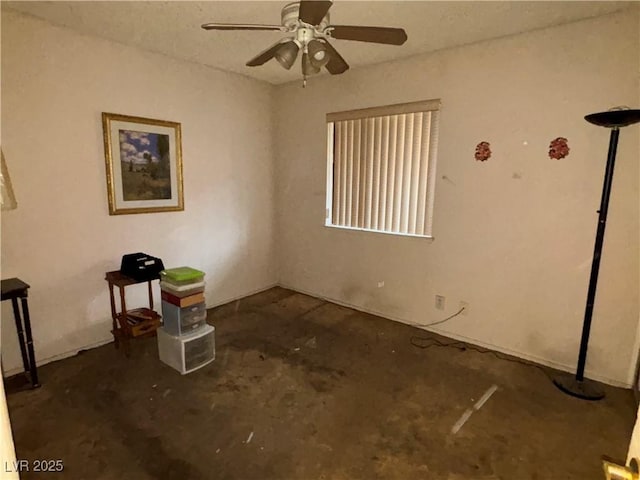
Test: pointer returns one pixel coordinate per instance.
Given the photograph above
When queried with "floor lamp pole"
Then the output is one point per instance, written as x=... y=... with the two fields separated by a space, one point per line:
x=597 y=252
x=577 y=385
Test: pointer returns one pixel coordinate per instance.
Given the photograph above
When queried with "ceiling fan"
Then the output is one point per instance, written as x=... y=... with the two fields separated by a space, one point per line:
x=308 y=23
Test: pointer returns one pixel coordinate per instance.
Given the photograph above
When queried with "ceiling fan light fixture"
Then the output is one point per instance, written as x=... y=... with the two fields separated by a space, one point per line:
x=308 y=68
x=318 y=54
x=287 y=53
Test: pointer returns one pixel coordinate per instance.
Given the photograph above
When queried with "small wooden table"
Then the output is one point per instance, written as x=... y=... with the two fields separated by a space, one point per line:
x=130 y=323
x=14 y=289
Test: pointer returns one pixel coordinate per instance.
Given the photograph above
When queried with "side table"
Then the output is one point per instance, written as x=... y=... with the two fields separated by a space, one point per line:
x=130 y=323
x=14 y=289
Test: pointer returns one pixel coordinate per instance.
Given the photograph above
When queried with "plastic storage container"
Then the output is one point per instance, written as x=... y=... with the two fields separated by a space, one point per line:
x=188 y=352
x=182 y=276
x=178 y=321
x=185 y=301
x=184 y=290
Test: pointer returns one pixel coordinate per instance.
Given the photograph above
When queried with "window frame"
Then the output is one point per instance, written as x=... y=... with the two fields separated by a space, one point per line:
x=432 y=106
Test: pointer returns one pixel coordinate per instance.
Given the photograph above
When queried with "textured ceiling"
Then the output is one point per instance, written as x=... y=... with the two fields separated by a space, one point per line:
x=173 y=28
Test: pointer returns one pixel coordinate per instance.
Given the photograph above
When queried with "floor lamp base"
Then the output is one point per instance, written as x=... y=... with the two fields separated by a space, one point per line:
x=584 y=389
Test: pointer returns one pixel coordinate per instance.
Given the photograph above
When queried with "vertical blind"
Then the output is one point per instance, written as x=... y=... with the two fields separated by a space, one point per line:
x=383 y=162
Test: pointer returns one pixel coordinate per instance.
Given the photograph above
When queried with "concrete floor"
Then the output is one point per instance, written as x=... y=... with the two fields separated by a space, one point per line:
x=326 y=393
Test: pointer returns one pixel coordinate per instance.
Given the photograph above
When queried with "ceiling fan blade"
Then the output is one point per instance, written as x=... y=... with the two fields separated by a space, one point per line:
x=336 y=63
x=265 y=56
x=390 y=36
x=237 y=26
x=313 y=11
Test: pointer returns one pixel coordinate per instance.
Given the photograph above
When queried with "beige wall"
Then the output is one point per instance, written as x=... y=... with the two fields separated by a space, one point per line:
x=513 y=236
x=634 y=444
x=7 y=450
x=61 y=239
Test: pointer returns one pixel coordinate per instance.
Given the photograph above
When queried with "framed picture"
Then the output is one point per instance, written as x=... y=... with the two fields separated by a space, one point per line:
x=144 y=164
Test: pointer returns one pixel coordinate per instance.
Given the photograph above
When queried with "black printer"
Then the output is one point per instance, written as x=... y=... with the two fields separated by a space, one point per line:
x=141 y=267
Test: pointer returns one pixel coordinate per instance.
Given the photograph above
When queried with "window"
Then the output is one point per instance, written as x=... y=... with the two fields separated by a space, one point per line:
x=381 y=168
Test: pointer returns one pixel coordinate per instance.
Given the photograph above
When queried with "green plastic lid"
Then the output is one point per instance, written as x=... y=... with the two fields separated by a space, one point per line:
x=181 y=274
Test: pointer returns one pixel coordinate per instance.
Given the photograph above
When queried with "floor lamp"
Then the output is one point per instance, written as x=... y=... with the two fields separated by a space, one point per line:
x=577 y=385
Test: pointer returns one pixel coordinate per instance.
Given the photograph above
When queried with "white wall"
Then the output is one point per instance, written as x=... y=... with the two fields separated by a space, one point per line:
x=634 y=443
x=513 y=236
x=7 y=450
x=517 y=249
x=61 y=239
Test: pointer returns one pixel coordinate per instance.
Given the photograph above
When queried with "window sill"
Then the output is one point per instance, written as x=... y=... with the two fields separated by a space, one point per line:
x=380 y=232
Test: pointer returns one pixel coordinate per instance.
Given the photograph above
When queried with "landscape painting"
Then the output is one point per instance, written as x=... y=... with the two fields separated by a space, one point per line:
x=144 y=164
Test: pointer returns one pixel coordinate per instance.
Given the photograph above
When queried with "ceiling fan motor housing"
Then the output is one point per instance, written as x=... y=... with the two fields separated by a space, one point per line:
x=304 y=35
x=291 y=13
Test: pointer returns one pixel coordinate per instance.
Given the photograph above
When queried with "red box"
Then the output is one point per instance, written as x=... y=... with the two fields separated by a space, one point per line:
x=182 y=301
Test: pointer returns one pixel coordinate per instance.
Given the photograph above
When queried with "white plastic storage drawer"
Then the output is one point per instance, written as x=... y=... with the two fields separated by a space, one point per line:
x=187 y=352
x=183 y=290
x=178 y=321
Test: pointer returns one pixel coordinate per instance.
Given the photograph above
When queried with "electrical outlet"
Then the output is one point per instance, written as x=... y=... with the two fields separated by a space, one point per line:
x=464 y=305
x=440 y=302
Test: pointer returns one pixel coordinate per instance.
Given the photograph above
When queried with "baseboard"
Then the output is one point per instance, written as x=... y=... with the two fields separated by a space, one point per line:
x=525 y=356
x=239 y=297
x=60 y=356
x=71 y=353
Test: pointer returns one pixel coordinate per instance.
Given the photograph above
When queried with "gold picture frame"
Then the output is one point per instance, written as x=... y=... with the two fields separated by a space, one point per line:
x=143 y=159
